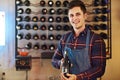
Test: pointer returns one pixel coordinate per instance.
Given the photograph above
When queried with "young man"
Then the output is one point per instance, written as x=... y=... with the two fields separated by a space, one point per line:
x=86 y=49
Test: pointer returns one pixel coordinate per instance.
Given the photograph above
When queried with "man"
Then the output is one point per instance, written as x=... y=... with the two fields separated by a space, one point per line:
x=86 y=49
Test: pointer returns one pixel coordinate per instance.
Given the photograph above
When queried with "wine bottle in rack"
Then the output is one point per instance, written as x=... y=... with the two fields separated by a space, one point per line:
x=43 y=19
x=35 y=19
x=35 y=27
x=19 y=18
x=51 y=37
x=104 y=2
x=105 y=10
x=52 y=47
x=65 y=11
x=20 y=36
x=43 y=37
x=97 y=11
x=65 y=19
x=103 y=26
x=27 y=3
x=28 y=36
x=27 y=26
x=42 y=3
x=28 y=45
x=50 y=3
x=44 y=11
x=50 y=27
x=96 y=2
x=58 y=3
x=58 y=27
x=66 y=27
x=50 y=19
x=104 y=35
x=19 y=26
x=58 y=36
x=20 y=11
x=27 y=18
x=35 y=36
x=103 y=18
x=36 y=46
x=44 y=46
x=43 y=27
x=51 y=11
x=59 y=11
x=65 y=3
x=28 y=11
x=58 y=19
x=96 y=27
x=18 y=2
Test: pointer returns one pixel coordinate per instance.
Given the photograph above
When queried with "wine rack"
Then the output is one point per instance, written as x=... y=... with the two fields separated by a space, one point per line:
x=41 y=23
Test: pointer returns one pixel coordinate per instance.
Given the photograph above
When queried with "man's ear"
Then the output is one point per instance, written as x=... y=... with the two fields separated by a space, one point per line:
x=86 y=15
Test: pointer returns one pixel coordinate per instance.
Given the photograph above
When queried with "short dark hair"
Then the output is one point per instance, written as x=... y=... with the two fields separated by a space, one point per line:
x=77 y=3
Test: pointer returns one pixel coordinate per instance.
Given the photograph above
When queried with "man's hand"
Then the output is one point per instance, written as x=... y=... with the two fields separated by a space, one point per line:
x=70 y=77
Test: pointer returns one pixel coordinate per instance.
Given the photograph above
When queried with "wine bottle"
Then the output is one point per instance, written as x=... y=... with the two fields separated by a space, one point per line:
x=20 y=11
x=42 y=19
x=58 y=27
x=58 y=36
x=96 y=27
x=27 y=27
x=35 y=19
x=27 y=18
x=66 y=64
x=28 y=45
x=20 y=36
x=51 y=27
x=105 y=10
x=43 y=27
x=103 y=18
x=19 y=2
x=50 y=19
x=65 y=3
x=43 y=37
x=58 y=3
x=97 y=11
x=51 y=11
x=59 y=11
x=36 y=46
x=52 y=47
x=65 y=11
x=66 y=27
x=27 y=3
x=65 y=19
x=28 y=36
x=35 y=36
x=96 y=18
x=44 y=11
x=96 y=3
x=103 y=26
x=19 y=26
x=104 y=2
x=28 y=11
x=44 y=47
x=50 y=3
x=19 y=18
x=35 y=27
x=51 y=37
x=42 y=3
x=103 y=35
x=58 y=19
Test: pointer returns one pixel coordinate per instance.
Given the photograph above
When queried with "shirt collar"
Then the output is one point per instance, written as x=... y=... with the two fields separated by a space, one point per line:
x=83 y=33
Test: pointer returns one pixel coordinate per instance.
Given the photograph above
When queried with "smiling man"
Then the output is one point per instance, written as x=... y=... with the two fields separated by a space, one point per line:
x=86 y=49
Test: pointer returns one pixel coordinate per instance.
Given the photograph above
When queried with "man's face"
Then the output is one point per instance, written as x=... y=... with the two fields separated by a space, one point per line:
x=77 y=17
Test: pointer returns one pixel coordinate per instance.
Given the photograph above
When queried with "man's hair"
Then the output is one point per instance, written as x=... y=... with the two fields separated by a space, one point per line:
x=77 y=3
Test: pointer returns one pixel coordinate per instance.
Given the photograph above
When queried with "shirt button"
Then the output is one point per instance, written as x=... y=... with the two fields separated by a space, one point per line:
x=74 y=47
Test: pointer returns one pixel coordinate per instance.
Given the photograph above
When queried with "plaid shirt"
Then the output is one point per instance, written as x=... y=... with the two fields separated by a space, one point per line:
x=97 y=53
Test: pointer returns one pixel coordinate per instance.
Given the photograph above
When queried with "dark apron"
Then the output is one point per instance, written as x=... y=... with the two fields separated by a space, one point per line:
x=79 y=58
